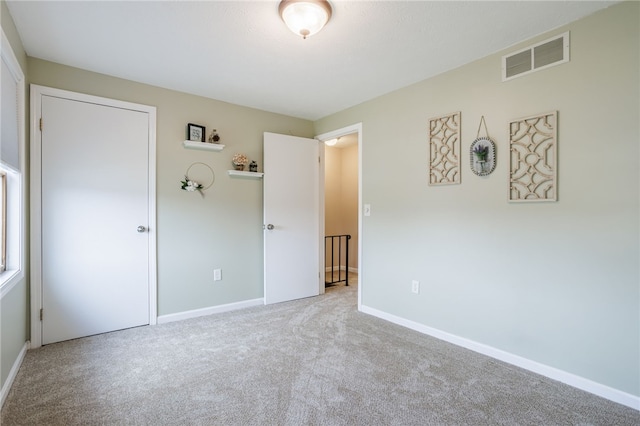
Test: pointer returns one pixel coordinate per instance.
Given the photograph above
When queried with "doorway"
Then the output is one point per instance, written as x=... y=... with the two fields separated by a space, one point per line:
x=93 y=209
x=342 y=206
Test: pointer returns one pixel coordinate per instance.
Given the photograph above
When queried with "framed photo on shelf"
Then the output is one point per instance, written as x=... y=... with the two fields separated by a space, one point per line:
x=195 y=133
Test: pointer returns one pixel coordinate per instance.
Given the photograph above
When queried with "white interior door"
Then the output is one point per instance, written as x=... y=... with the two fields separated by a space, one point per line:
x=292 y=236
x=95 y=196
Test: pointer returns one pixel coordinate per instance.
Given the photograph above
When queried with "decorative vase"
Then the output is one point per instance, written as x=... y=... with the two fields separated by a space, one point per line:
x=239 y=167
x=253 y=166
x=214 y=137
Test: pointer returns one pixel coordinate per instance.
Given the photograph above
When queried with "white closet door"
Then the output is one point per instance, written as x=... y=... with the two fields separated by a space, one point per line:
x=95 y=210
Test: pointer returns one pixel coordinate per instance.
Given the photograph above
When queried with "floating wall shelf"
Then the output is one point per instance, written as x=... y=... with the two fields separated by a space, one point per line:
x=238 y=173
x=203 y=146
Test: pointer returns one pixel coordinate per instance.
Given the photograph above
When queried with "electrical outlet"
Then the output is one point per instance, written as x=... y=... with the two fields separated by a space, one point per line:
x=415 y=286
x=217 y=274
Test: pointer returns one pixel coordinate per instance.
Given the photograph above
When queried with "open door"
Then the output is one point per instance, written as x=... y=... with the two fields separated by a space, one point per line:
x=292 y=213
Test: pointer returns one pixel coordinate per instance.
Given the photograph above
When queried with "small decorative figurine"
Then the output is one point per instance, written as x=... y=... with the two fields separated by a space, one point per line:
x=253 y=166
x=214 y=137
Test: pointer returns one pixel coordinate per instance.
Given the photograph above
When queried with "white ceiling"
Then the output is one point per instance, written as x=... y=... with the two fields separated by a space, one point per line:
x=241 y=52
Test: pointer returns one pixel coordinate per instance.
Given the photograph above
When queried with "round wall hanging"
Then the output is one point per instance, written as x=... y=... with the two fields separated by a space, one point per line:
x=190 y=184
x=482 y=153
x=483 y=156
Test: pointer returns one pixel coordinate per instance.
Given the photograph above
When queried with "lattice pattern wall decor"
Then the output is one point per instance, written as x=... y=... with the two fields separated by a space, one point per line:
x=444 y=149
x=533 y=152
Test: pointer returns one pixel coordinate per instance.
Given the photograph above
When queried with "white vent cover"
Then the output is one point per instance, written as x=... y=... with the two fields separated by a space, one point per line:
x=548 y=53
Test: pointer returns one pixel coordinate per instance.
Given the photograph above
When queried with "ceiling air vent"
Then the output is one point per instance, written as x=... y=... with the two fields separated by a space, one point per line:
x=551 y=52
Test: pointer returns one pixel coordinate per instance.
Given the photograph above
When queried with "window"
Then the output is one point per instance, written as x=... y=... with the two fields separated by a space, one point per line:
x=12 y=166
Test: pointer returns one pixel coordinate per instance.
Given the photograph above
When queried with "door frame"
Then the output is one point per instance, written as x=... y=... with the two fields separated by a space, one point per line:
x=354 y=128
x=37 y=92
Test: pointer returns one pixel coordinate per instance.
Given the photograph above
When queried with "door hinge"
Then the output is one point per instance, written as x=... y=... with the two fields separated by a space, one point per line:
x=40 y=123
x=41 y=314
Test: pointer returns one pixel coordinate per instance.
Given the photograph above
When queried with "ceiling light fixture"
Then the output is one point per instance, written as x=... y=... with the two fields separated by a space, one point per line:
x=305 y=17
x=331 y=142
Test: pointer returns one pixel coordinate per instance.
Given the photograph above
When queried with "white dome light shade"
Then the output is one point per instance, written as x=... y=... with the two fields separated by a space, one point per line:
x=305 y=17
x=331 y=142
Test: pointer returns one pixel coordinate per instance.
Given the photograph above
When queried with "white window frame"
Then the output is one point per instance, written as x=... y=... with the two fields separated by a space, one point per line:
x=15 y=181
x=3 y=220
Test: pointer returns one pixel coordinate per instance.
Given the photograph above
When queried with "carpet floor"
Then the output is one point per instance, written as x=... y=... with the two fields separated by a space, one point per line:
x=315 y=361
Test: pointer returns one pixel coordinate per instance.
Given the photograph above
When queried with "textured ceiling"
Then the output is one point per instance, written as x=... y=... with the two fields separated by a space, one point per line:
x=241 y=52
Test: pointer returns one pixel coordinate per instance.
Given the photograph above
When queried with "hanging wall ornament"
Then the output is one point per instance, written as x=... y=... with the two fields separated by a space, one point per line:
x=444 y=149
x=190 y=184
x=483 y=153
x=533 y=151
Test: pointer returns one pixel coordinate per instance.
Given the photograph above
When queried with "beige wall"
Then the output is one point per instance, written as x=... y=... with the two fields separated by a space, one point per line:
x=341 y=197
x=349 y=200
x=556 y=283
x=195 y=235
x=332 y=190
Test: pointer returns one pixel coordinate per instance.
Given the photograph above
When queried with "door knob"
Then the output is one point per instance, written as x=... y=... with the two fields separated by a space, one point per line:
x=141 y=228
x=270 y=227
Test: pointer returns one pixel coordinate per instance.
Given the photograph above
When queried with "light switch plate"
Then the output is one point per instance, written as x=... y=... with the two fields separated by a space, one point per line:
x=367 y=209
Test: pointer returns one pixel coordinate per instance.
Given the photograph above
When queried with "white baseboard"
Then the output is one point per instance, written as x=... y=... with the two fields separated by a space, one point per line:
x=587 y=385
x=12 y=373
x=179 y=316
